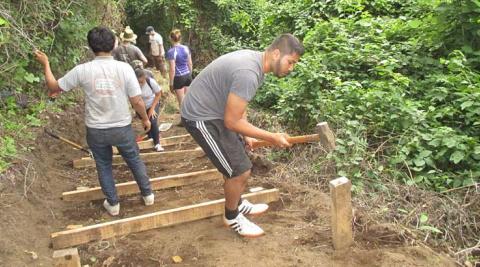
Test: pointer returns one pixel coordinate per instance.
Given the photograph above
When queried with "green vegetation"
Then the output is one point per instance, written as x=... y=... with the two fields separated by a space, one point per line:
x=56 y=27
x=398 y=80
x=402 y=93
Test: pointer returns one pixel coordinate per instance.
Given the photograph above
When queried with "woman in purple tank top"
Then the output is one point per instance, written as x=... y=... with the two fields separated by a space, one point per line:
x=180 y=61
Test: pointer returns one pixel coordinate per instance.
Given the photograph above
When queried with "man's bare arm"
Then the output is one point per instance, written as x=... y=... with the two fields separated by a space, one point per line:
x=235 y=120
x=52 y=82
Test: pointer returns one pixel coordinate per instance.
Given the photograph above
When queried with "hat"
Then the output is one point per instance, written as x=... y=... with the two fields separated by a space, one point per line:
x=137 y=64
x=149 y=29
x=128 y=35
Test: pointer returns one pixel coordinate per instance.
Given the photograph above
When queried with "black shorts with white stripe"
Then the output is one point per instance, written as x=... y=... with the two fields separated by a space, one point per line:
x=224 y=148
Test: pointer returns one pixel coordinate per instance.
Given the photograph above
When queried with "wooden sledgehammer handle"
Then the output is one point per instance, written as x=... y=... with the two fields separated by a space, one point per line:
x=325 y=136
x=291 y=140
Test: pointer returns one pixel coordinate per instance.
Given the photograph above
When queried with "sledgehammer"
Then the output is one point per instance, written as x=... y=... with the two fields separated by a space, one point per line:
x=324 y=135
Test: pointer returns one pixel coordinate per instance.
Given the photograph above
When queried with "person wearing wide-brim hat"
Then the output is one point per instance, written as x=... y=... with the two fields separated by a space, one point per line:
x=127 y=51
x=128 y=35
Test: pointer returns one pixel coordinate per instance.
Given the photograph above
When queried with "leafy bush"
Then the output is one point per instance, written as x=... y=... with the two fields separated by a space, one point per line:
x=56 y=27
x=404 y=104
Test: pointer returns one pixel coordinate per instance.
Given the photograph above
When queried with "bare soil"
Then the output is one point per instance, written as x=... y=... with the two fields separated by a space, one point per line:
x=298 y=226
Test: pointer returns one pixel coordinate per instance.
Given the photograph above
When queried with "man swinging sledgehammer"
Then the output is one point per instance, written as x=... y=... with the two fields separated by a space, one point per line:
x=214 y=113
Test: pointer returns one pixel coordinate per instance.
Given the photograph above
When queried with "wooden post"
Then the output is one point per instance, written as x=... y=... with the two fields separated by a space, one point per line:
x=66 y=258
x=342 y=233
x=327 y=139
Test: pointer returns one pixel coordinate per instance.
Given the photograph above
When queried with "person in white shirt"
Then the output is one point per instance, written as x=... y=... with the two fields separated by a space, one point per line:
x=109 y=87
x=157 y=51
x=151 y=93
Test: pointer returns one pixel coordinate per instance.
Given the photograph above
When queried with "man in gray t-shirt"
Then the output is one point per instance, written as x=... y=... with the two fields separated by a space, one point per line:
x=214 y=113
x=127 y=51
x=108 y=85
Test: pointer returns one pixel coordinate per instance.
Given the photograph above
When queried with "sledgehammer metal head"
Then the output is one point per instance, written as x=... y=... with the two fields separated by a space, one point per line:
x=327 y=138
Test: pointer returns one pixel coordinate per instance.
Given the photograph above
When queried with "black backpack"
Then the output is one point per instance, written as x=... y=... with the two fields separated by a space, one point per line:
x=124 y=55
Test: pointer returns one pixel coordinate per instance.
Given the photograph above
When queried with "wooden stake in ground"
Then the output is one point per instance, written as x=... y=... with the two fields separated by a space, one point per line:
x=342 y=233
x=156 y=184
x=66 y=258
x=157 y=157
x=154 y=220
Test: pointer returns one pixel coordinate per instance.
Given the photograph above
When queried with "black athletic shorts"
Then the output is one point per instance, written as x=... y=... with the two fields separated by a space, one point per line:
x=181 y=81
x=224 y=148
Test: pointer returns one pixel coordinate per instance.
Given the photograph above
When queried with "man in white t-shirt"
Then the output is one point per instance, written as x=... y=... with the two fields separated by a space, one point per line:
x=156 y=50
x=109 y=87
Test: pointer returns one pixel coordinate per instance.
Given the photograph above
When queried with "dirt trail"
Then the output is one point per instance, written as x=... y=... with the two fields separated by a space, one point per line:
x=297 y=227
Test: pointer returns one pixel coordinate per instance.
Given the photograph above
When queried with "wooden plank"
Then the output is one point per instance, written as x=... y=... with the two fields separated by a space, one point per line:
x=165 y=142
x=342 y=217
x=156 y=183
x=154 y=220
x=327 y=138
x=66 y=258
x=157 y=157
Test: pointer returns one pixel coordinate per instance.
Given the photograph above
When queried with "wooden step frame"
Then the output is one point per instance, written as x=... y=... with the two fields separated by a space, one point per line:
x=165 y=142
x=157 y=157
x=156 y=183
x=150 y=221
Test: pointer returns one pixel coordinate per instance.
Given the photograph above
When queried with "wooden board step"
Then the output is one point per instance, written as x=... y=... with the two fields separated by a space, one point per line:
x=165 y=142
x=154 y=220
x=157 y=157
x=156 y=183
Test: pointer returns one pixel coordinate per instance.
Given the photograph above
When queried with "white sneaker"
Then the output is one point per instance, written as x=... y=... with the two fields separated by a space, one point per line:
x=112 y=210
x=243 y=226
x=248 y=208
x=159 y=148
x=149 y=200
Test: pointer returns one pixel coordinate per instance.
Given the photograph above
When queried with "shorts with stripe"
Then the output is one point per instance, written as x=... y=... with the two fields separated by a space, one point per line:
x=224 y=148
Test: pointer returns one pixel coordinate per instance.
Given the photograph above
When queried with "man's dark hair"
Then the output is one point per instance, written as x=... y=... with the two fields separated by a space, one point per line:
x=140 y=73
x=101 y=39
x=287 y=44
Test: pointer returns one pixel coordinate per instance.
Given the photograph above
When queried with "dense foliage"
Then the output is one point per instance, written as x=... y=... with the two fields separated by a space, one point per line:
x=398 y=80
x=57 y=27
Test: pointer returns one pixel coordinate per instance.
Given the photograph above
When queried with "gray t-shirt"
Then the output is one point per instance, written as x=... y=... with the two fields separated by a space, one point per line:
x=107 y=84
x=239 y=72
x=148 y=94
x=127 y=53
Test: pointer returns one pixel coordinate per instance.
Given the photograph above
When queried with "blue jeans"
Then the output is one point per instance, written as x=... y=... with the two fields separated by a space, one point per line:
x=154 y=132
x=100 y=142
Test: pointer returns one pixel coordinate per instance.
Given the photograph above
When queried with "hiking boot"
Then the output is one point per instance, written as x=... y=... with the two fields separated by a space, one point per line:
x=159 y=148
x=149 y=200
x=243 y=226
x=248 y=208
x=112 y=210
